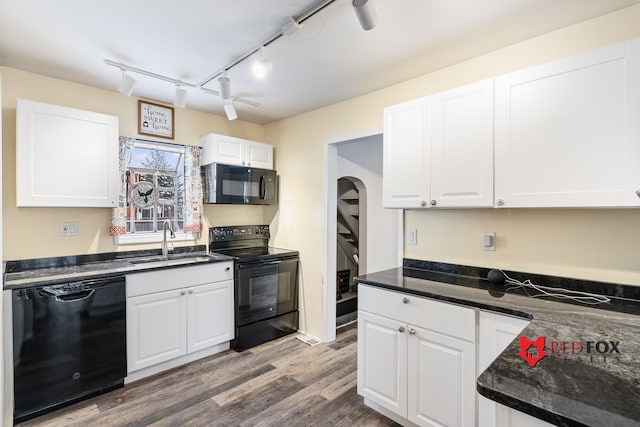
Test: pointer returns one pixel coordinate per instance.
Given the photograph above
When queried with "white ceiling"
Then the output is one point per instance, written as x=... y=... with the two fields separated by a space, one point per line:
x=329 y=60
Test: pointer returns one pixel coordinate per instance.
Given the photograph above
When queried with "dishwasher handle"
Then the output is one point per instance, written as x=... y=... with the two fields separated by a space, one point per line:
x=66 y=293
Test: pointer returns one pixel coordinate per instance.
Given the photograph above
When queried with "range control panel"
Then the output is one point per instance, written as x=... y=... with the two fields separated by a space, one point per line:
x=238 y=232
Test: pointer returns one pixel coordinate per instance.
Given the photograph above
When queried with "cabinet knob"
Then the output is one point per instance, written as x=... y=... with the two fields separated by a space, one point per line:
x=190 y=291
x=227 y=269
x=401 y=329
x=433 y=203
x=412 y=331
x=243 y=163
x=500 y=202
x=182 y=292
x=423 y=203
x=638 y=192
x=405 y=300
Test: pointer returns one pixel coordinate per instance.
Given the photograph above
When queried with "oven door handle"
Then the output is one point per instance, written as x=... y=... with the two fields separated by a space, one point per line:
x=257 y=263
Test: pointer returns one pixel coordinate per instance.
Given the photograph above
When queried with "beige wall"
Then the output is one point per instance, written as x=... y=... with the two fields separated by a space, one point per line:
x=33 y=232
x=597 y=244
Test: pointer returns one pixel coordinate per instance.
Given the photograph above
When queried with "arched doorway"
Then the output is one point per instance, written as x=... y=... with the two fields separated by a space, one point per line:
x=351 y=256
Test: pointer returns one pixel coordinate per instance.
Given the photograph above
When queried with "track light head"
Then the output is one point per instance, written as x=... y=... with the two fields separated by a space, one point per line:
x=180 y=99
x=230 y=110
x=126 y=84
x=262 y=66
x=225 y=86
x=366 y=13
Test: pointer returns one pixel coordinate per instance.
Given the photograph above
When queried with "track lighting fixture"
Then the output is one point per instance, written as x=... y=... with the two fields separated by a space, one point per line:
x=180 y=99
x=262 y=66
x=366 y=13
x=230 y=110
x=126 y=84
x=225 y=86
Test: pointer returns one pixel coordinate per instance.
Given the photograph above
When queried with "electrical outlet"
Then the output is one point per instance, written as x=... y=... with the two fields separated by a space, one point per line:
x=68 y=229
x=412 y=236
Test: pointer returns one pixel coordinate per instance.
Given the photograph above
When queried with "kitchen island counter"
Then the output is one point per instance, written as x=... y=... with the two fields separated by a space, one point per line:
x=595 y=388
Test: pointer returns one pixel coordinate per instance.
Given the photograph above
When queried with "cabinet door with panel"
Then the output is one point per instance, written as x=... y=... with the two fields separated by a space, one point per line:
x=462 y=146
x=412 y=362
x=567 y=133
x=65 y=157
x=382 y=367
x=442 y=381
x=156 y=328
x=229 y=150
x=209 y=315
x=495 y=333
x=406 y=155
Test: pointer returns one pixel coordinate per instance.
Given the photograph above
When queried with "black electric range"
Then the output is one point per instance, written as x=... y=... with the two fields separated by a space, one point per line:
x=265 y=283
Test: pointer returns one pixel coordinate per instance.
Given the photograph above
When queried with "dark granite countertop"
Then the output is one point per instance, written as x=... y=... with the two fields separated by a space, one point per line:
x=594 y=389
x=33 y=272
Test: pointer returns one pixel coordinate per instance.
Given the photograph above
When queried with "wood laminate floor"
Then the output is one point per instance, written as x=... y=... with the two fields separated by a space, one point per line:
x=282 y=383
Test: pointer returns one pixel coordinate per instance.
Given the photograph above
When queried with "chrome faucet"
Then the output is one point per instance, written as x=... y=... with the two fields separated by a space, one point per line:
x=165 y=223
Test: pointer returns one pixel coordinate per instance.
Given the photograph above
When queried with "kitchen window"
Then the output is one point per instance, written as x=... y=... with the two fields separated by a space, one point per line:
x=159 y=182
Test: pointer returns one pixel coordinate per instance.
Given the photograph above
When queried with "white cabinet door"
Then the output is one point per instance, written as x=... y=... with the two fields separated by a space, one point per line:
x=462 y=146
x=406 y=155
x=259 y=155
x=210 y=315
x=495 y=333
x=156 y=328
x=567 y=133
x=442 y=379
x=229 y=150
x=222 y=149
x=65 y=157
x=382 y=361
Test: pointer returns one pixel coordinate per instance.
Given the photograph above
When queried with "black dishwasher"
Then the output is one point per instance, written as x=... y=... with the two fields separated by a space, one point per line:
x=69 y=343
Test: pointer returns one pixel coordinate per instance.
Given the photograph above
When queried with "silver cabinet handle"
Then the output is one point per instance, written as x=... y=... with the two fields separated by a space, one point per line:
x=182 y=292
x=412 y=331
x=500 y=202
x=190 y=291
x=433 y=203
x=405 y=300
x=401 y=329
x=638 y=192
x=423 y=203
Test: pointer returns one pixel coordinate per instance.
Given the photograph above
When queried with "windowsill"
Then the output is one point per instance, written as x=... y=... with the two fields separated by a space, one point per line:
x=132 y=239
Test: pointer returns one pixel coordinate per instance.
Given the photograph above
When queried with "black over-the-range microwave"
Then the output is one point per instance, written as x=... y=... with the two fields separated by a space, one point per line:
x=229 y=184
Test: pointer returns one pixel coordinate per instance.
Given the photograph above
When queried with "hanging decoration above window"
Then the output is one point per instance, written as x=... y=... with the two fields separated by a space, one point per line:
x=155 y=119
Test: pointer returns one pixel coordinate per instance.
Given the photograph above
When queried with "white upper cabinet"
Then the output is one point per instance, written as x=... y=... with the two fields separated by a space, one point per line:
x=65 y=157
x=462 y=146
x=236 y=151
x=438 y=151
x=568 y=133
x=406 y=154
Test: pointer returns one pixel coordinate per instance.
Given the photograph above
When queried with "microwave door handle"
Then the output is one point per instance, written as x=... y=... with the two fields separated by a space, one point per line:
x=263 y=187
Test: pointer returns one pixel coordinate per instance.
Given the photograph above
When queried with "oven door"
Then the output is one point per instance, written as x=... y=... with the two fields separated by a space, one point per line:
x=265 y=289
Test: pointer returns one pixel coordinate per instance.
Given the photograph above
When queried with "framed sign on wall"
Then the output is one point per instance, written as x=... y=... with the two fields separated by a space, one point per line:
x=155 y=119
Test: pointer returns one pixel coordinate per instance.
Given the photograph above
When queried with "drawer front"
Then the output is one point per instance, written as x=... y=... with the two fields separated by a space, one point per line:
x=441 y=317
x=176 y=278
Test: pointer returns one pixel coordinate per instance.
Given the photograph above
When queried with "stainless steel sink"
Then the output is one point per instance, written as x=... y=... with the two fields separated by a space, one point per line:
x=178 y=259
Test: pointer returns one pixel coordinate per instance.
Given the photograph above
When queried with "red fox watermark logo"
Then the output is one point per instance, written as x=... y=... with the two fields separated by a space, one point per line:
x=532 y=351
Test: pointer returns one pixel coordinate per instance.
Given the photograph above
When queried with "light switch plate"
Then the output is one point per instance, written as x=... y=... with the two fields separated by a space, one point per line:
x=68 y=229
x=489 y=241
x=412 y=236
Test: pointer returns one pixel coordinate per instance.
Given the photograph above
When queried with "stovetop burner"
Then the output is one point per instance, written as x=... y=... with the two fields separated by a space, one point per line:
x=245 y=243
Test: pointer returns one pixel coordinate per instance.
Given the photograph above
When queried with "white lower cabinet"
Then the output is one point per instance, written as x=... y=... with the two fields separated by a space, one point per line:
x=178 y=312
x=495 y=333
x=416 y=358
